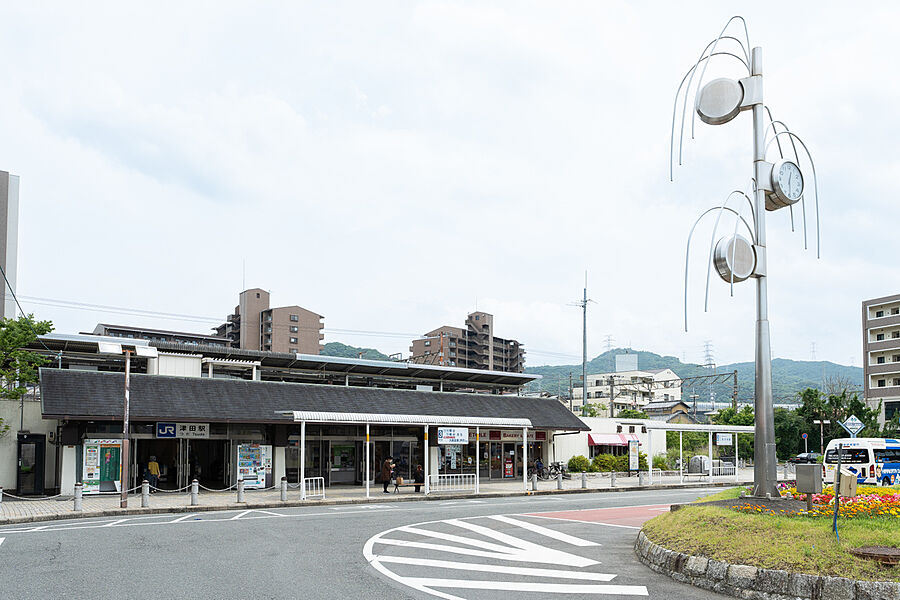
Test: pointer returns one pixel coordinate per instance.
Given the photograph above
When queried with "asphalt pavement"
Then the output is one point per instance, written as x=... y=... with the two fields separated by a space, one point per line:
x=567 y=546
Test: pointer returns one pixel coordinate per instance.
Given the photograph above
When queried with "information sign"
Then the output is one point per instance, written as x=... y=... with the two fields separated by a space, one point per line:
x=634 y=460
x=724 y=439
x=453 y=435
x=853 y=425
x=182 y=430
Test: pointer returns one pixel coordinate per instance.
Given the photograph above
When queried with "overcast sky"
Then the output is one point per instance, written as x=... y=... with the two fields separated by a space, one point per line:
x=390 y=165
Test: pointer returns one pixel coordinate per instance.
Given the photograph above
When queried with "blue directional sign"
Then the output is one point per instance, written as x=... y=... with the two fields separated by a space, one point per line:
x=165 y=430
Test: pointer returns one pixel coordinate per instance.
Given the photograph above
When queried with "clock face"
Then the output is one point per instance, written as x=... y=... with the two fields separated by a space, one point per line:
x=790 y=180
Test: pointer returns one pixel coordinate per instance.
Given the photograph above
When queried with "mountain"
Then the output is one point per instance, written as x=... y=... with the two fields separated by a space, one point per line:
x=345 y=351
x=788 y=376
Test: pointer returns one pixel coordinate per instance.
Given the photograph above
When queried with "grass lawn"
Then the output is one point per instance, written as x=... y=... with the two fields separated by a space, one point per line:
x=799 y=544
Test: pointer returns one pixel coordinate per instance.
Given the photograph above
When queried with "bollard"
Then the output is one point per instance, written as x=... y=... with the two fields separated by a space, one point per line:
x=534 y=483
x=612 y=479
x=1 y=494
x=640 y=478
x=559 y=480
x=583 y=480
x=145 y=494
x=195 y=493
x=284 y=489
x=240 y=490
x=77 y=497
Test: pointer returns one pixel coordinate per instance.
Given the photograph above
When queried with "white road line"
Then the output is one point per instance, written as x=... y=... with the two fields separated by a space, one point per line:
x=520 y=586
x=466 y=566
x=449 y=537
x=185 y=517
x=1 y=540
x=240 y=514
x=588 y=522
x=551 y=533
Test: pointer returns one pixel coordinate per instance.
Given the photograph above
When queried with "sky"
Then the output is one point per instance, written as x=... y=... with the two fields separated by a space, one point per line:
x=394 y=166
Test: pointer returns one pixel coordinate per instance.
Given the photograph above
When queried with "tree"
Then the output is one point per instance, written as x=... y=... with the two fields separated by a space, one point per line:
x=630 y=413
x=836 y=407
x=593 y=410
x=19 y=366
x=745 y=416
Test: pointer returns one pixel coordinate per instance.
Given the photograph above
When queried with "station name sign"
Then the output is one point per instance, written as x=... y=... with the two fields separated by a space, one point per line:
x=182 y=430
x=453 y=435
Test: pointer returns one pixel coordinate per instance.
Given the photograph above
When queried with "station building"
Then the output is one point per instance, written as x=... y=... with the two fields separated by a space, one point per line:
x=217 y=413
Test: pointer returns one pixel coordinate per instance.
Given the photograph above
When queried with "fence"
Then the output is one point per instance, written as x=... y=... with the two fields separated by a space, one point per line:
x=314 y=487
x=452 y=483
x=723 y=471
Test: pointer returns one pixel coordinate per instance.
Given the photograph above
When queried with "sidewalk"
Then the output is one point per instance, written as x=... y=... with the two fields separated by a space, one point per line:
x=22 y=511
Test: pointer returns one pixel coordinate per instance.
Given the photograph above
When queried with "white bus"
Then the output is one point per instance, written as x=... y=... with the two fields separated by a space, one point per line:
x=873 y=460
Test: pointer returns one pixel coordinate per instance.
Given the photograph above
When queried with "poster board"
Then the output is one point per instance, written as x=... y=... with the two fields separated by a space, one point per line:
x=101 y=467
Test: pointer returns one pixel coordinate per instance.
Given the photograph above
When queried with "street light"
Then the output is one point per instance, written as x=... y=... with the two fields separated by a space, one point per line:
x=116 y=349
x=773 y=185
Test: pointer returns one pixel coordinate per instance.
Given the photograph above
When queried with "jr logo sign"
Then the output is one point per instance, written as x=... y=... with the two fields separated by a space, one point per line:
x=165 y=430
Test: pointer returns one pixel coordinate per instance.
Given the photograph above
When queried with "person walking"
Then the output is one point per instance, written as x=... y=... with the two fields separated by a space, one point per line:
x=153 y=472
x=418 y=477
x=386 y=469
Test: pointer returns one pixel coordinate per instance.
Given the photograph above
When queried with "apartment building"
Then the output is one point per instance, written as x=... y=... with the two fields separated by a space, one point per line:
x=629 y=389
x=255 y=325
x=473 y=346
x=881 y=354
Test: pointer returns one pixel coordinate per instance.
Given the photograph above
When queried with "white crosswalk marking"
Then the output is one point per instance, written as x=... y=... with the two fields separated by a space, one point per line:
x=404 y=557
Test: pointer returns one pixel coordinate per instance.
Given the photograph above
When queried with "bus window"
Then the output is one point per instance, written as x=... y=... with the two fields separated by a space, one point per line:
x=848 y=456
x=883 y=455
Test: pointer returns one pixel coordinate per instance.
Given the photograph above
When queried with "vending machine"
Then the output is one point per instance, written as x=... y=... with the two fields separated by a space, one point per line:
x=254 y=465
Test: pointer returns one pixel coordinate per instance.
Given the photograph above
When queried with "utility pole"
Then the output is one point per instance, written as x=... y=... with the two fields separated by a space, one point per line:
x=612 y=394
x=571 y=393
x=583 y=304
x=734 y=391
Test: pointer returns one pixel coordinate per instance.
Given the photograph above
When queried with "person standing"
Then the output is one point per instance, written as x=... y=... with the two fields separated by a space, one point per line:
x=153 y=472
x=418 y=477
x=386 y=469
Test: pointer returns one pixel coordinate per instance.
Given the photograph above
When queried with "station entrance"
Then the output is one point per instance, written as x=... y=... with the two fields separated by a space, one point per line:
x=181 y=461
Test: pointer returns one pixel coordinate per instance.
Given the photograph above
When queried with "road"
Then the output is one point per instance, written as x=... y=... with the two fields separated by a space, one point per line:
x=566 y=546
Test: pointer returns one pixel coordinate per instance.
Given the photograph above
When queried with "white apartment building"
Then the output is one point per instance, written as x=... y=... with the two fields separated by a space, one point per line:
x=628 y=389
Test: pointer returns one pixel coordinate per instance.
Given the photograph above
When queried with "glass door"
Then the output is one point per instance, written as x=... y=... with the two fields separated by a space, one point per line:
x=30 y=473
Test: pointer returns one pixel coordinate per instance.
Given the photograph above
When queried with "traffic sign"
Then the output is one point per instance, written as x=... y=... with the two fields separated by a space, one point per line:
x=852 y=425
x=804 y=436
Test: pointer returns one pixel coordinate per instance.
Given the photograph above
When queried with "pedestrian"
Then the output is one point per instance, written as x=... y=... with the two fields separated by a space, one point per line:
x=386 y=471
x=418 y=477
x=153 y=472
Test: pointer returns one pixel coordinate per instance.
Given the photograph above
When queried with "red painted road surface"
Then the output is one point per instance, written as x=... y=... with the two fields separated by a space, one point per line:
x=629 y=516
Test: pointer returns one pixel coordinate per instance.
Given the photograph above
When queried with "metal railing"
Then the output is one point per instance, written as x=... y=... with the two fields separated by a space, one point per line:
x=462 y=482
x=723 y=471
x=314 y=487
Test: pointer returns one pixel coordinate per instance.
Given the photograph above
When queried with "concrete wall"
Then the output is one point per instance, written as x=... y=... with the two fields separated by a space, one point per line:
x=9 y=412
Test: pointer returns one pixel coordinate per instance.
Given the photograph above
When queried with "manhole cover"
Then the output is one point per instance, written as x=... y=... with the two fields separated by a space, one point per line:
x=883 y=554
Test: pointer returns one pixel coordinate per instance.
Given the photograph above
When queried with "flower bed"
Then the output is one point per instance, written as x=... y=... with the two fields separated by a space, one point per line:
x=869 y=503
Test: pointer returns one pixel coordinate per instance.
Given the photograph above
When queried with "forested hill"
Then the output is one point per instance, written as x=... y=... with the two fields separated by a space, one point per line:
x=788 y=376
x=345 y=351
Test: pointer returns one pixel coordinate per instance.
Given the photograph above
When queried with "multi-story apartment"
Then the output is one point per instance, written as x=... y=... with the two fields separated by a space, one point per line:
x=881 y=354
x=255 y=325
x=629 y=389
x=158 y=335
x=473 y=347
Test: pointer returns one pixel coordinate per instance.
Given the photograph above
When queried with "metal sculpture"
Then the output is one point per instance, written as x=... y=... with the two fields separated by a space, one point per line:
x=773 y=186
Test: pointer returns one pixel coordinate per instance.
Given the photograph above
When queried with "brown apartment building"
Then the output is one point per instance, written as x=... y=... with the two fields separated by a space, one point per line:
x=881 y=354
x=255 y=325
x=473 y=347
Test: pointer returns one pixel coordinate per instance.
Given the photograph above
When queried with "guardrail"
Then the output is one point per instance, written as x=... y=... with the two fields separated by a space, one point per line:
x=462 y=482
x=314 y=487
x=723 y=471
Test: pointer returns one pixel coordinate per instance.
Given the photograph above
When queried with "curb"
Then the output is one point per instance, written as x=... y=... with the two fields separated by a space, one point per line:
x=754 y=583
x=118 y=512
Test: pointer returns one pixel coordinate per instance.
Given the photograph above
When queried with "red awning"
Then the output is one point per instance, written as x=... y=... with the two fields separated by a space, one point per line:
x=610 y=439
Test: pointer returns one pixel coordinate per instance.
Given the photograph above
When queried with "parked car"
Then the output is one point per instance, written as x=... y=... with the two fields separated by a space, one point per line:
x=805 y=458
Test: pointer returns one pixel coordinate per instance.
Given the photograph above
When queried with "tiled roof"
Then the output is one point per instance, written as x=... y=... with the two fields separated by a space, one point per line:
x=93 y=395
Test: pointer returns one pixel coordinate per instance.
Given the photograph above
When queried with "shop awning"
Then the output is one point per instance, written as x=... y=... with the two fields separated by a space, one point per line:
x=389 y=419
x=610 y=439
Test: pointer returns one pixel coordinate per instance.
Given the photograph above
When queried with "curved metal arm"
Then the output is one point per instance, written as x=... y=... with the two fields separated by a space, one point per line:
x=815 y=182
x=675 y=108
x=688 y=251
x=746 y=54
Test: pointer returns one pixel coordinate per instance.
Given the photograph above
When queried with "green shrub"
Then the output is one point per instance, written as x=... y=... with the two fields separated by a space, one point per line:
x=660 y=462
x=579 y=464
x=603 y=462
